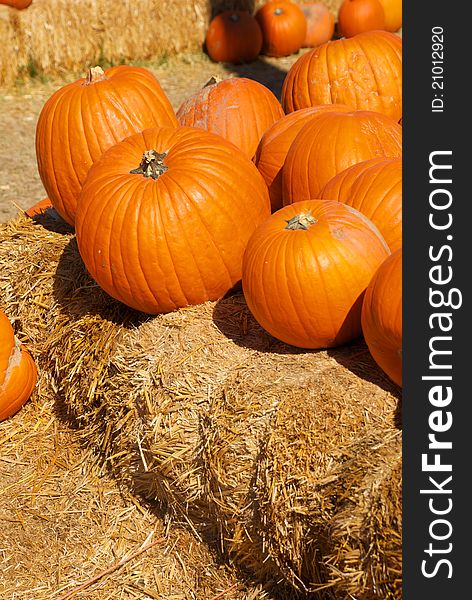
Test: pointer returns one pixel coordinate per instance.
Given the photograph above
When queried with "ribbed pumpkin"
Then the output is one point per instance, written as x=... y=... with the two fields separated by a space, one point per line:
x=357 y=16
x=275 y=143
x=18 y=373
x=332 y=142
x=283 y=27
x=18 y=4
x=84 y=118
x=381 y=317
x=319 y=23
x=393 y=14
x=165 y=215
x=305 y=270
x=364 y=72
x=233 y=36
x=373 y=187
x=238 y=109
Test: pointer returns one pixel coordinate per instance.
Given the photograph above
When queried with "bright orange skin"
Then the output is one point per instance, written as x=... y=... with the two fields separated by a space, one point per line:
x=233 y=36
x=18 y=4
x=275 y=143
x=332 y=142
x=38 y=208
x=305 y=287
x=81 y=120
x=393 y=14
x=364 y=72
x=17 y=382
x=237 y=108
x=382 y=317
x=374 y=187
x=158 y=245
x=319 y=24
x=357 y=16
x=283 y=27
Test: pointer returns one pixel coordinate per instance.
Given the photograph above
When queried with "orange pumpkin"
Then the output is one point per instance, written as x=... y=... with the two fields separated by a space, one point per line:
x=38 y=208
x=165 y=215
x=319 y=24
x=283 y=27
x=18 y=373
x=357 y=16
x=305 y=270
x=18 y=4
x=381 y=317
x=275 y=143
x=393 y=14
x=332 y=142
x=234 y=36
x=364 y=72
x=373 y=187
x=238 y=109
x=84 y=118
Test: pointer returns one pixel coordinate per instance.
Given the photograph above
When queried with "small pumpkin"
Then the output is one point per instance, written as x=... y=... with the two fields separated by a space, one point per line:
x=364 y=72
x=239 y=109
x=332 y=142
x=84 y=118
x=393 y=14
x=283 y=27
x=18 y=373
x=357 y=16
x=305 y=270
x=275 y=143
x=373 y=187
x=381 y=316
x=18 y=4
x=38 y=208
x=319 y=23
x=165 y=215
x=233 y=36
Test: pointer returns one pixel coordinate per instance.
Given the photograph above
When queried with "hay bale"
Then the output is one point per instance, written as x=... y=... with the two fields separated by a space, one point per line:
x=201 y=410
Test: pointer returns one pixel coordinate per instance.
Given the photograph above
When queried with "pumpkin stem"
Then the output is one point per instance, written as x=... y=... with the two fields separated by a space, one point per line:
x=94 y=74
x=302 y=221
x=278 y=11
x=234 y=17
x=213 y=79
x=151 y=165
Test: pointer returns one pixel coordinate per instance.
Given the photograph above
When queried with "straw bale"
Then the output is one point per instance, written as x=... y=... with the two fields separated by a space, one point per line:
x=200 y=410
x=53 y=37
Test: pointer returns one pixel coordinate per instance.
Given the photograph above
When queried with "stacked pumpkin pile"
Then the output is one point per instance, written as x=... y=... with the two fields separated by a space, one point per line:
x=171 y=212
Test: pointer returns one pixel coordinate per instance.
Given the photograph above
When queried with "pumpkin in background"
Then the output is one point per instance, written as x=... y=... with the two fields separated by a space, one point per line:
x=332 y=142
x=283 y=27
x=275 y=143
x=357 y=16
x=18 y=4
x=305 y=270
x=18 y=373
x=393 y=14
x=38 y=208
x=373 y=187
x=165 y=215
x=238 y=109
x=233 y=36
x=319 y=23
x=381 y=317
x=364 y=72
x=84 y=118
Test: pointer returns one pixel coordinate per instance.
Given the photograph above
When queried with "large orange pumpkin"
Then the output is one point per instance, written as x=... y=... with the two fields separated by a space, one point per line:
x=275 y=143
x=332 y=142
x=319 y=23
x=18 y=373
x=165 y=215
x=233 y=36
x=357 y=16
x=364 y=72
x=18 y=4
x=238 y=109
x=84 y=118
x=381 y=317
x=305 y=270
x=373 y=187
x=393 y=14
x=283 y=27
